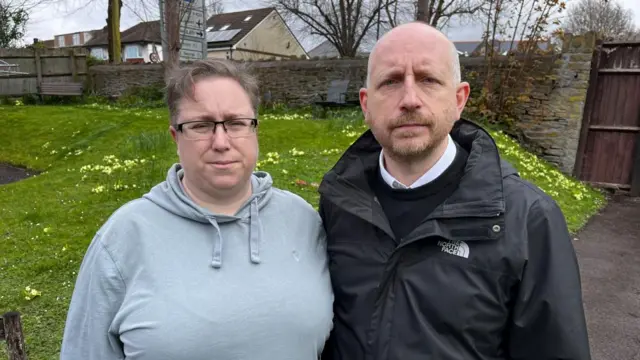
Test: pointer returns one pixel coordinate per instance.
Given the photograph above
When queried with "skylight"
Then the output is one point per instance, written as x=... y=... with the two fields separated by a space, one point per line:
x=248 y=18
x=224 y=27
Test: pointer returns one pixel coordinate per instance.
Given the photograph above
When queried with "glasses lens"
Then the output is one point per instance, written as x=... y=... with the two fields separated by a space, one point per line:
x=239 y=127
x=204 y=129
x=198 y=130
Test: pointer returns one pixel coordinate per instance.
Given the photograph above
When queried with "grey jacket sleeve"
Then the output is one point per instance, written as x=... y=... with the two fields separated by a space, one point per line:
x=548 y=320
x=98 y=293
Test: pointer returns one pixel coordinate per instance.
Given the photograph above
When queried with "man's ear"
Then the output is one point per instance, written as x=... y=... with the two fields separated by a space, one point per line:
x=364 y=96
x=462 y=95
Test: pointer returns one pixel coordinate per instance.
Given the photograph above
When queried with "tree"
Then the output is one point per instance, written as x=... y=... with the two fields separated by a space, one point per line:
x=516 y=36
x=437 y=13
x=607 y=18
x=343 y=23
x=13 y=23
x=214 y=7
x=113 y=28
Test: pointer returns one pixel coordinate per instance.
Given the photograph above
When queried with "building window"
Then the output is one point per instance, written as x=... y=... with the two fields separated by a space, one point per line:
x=60 y=41
x=100 y=53
x=76 y=39
x=132 y=52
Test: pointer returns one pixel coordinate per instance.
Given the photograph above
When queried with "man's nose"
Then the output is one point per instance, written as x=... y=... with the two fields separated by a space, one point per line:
x=410 y=100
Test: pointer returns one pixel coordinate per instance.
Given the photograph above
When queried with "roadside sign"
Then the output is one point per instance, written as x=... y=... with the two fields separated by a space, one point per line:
x=198 y=34
x=193 y=25
x=187 y=55
x=192 y=45
x=195 y=21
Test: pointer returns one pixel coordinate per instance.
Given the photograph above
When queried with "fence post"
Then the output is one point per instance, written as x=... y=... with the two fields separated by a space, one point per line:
x=74 y=71
x=38 y=68
x=13 y=335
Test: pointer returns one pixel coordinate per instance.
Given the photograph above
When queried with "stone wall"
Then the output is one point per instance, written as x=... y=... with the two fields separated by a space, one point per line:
x=110 y=80
x=549 y=122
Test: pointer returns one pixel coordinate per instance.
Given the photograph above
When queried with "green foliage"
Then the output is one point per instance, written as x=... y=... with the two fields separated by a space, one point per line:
x=143 y=96
x=92 y=61
x=515 y=39
x=96 y=157
x=13 y=23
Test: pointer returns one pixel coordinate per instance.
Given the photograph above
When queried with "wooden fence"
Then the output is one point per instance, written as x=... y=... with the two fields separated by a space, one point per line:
x=37 y=65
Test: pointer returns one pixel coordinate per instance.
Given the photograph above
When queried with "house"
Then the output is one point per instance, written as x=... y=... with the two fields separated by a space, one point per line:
x=138 y=43
x=255 y=34
x=327 y=50
x=76 y=39
x=467 y=48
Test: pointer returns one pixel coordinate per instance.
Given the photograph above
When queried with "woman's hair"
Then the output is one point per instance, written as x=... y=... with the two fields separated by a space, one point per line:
x=181 y=80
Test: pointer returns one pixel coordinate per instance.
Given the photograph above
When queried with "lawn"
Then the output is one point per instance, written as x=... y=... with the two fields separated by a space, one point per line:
x=94 y=158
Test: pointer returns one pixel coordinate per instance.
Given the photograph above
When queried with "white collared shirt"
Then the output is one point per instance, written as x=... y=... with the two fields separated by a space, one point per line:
x=438 y=168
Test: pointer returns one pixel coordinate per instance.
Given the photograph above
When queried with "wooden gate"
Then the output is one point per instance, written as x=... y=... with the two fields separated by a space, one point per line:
x=609 y=148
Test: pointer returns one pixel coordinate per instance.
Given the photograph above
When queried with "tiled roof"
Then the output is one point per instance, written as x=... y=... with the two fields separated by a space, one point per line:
x=148 y=32
x=467 y=46
x=244 y=21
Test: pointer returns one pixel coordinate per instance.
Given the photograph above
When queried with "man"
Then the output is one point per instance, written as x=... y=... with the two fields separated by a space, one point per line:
x=213 y=262
x=438 y=249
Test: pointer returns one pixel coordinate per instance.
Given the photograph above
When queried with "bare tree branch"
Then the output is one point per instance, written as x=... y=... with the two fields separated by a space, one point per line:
x=608 y=18
x=344 y=23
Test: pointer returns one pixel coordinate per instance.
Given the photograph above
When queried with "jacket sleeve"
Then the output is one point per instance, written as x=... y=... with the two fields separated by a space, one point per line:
x=548 y=320
x=98 y=293
x=327 y=352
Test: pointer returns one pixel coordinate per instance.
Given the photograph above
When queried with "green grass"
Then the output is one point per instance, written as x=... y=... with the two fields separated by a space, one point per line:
x=95 y=158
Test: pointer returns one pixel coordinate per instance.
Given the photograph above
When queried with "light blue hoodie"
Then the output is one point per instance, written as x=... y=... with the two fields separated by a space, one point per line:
x=166 y=279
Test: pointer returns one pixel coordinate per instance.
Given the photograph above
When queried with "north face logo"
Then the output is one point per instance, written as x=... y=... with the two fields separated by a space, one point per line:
x=458 y=248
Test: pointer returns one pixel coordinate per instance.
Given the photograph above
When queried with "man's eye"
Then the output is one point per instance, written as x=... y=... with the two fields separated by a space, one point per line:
x=429 y=80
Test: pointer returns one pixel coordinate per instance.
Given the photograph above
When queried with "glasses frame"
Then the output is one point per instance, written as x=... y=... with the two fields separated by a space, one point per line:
x=254 y=125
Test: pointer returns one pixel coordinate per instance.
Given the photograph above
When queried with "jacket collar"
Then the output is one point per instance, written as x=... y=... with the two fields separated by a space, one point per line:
x=480 y=192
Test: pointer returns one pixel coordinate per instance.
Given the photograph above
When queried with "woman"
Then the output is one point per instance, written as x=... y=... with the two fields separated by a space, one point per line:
x=214 y=262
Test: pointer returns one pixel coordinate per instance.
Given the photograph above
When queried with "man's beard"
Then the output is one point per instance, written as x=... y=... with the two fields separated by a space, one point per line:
x=409 y=145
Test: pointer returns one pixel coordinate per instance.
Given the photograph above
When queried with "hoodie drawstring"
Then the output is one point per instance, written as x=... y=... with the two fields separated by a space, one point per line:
x=217 y=245
x=254 y=232
x=254 y=237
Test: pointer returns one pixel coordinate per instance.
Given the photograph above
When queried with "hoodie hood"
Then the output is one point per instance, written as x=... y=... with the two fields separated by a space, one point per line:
x=171 y=196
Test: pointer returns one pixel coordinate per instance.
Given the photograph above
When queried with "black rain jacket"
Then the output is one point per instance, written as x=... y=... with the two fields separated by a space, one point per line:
x=490 y=274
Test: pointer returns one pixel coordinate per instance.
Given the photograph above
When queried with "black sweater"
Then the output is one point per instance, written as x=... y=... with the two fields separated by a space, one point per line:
x=407 y=208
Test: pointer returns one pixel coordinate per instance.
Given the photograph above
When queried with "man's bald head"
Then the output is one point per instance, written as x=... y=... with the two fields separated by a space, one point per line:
x=416 y=34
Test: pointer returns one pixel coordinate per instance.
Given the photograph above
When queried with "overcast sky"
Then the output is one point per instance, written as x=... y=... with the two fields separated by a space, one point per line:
x=68 y=16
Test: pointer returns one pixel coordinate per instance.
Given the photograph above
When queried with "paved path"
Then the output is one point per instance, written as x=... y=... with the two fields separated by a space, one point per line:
x=608 y=249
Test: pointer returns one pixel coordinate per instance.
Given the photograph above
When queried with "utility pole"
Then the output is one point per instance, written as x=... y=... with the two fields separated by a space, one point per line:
x=423 y=13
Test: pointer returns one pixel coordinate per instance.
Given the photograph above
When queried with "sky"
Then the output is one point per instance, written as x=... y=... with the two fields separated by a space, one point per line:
x=67 y=16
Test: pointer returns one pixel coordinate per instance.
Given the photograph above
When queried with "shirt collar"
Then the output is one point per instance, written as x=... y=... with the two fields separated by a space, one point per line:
x=438 y=168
